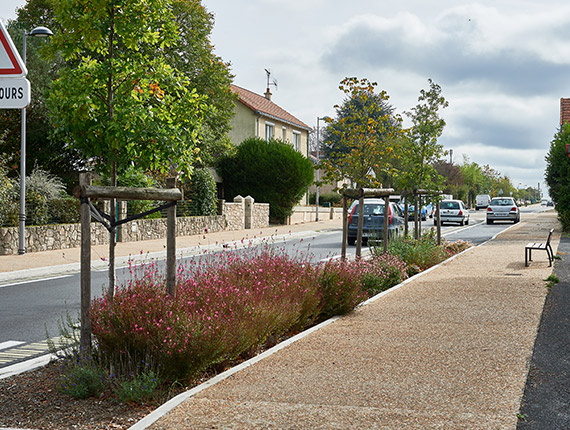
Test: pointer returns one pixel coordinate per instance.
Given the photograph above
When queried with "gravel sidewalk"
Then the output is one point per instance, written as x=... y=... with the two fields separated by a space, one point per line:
x=448 y=350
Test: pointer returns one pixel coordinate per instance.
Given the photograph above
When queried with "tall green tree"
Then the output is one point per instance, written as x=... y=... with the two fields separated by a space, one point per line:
x=360 y=141
x=427 y=127
x=557 y=175
x=193 y=54
x=117 y=99
x=42 y=152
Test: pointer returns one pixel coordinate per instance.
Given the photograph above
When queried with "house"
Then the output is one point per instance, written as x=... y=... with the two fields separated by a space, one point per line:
x=564 y=111
x=258 y=116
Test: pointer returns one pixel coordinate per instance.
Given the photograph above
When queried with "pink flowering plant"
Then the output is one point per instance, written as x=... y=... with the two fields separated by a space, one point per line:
x=229 y=304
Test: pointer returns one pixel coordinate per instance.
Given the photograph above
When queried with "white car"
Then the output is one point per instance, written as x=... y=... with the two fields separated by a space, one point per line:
x=503 y=209
x=452 y=211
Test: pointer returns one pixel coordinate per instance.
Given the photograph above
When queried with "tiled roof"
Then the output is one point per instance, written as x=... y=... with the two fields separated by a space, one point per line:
x=564 y=111
x=262 y=106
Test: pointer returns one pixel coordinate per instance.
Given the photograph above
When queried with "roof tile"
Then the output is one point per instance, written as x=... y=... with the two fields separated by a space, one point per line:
x=266 y=107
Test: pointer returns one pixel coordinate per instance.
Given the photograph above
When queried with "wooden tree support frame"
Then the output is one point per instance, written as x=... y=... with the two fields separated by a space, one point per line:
x=87 y=191
x=417 y=212
x=360 y=194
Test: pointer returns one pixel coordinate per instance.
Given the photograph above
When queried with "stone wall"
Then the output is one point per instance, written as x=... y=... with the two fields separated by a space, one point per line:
x=303 y=214
x=49 y=237
x=62 y=236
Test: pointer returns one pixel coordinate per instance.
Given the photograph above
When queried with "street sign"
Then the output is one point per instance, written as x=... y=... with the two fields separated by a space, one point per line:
x=11 y=64
x=14 y=93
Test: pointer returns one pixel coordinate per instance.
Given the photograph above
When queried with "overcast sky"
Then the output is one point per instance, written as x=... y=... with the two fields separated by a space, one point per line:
x=503 y=65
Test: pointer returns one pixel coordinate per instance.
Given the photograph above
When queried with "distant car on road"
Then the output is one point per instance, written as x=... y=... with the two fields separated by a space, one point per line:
x=482 y=201
x=373 y=222
x=503 y=209
x=452 y=211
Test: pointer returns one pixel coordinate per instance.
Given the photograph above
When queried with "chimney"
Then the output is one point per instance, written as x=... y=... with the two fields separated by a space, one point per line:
x=564 y=111
x=268 y=94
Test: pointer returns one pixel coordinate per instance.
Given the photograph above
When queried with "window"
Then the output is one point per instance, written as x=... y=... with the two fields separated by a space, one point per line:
x=284 y=134
x=269 y=130
x=296 y=140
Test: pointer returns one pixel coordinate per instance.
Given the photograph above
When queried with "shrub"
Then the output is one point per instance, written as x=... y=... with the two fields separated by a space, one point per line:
x=341 y=286
x=81 y=381
x=421 y=254
x=271 y=172
x=36 y=208
x=64 y=210
x=382 y=272
x=138 y=388
x=218 y=313
x=203 y=192
x=332 y=197
x=6 y=187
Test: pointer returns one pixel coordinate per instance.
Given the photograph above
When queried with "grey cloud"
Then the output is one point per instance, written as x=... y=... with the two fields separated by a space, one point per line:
x=449 y=62
x=492 y=132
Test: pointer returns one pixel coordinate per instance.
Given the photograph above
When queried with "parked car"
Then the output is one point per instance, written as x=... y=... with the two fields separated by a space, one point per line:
x=452 y=211
x=503 y=209
x=412 y=212
x=373 y=222
x=482 y=201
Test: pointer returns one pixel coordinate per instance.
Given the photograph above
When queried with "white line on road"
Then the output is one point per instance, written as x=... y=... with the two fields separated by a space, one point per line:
x=29 y=281
x=10 y=344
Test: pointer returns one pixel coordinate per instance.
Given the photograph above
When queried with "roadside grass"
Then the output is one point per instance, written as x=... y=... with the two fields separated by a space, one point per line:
x=227 y=307
x=551 y=281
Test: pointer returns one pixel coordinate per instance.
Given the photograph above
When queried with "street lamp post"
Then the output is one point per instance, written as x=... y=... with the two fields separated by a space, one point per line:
x=36 y=32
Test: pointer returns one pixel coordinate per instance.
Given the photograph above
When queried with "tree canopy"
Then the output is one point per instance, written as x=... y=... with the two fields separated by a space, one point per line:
x=557 y=175
x=359 y=142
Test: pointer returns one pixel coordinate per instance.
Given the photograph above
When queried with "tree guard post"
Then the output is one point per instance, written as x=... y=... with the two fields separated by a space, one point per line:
x=344 y=225
x=85 y=333
x=360 y=224
x=386 y=216
x=171 y=243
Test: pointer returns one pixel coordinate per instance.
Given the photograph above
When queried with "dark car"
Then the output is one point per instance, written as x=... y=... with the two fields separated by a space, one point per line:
x=373 y=222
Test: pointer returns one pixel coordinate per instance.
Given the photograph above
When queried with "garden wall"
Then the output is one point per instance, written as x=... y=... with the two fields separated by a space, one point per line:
x=302 y=214
x=62 y=236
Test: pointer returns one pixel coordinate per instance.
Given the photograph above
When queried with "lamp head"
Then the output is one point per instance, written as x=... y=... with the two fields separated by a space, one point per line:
x=41 y=32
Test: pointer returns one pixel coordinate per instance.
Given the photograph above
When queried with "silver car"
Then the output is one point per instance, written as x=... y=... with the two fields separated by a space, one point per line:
x=503 y=209
x=452 y=211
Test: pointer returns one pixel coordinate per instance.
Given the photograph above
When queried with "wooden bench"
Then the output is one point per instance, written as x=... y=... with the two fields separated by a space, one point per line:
x=542 y=246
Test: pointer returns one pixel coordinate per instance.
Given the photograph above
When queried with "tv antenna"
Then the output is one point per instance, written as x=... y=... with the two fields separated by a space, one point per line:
x=269 y=80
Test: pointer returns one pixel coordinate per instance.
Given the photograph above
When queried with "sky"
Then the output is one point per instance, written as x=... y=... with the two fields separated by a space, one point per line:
x=503 y=65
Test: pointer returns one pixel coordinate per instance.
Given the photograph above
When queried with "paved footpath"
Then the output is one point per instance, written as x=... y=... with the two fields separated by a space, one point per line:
x=449 y=349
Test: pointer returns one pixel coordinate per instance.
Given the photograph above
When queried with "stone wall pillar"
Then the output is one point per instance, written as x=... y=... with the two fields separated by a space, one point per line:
x=248 y=212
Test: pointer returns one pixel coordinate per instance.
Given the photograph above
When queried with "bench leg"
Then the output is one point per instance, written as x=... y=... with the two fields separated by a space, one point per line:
x=550 y=255
x=526 y=257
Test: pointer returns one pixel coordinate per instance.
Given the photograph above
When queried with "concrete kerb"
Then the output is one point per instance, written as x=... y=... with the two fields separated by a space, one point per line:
x=175 y=401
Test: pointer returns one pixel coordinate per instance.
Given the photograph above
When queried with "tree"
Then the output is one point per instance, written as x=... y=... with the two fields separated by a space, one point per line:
x=118 y=100
x=42 y=152
x=427 y=127
x=452 y=174
x=271 y=172
x=193 y=55
x=557 y=175
x=359 y=142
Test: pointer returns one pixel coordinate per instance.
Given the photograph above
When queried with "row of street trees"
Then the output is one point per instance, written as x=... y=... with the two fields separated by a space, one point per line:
x=367 y=143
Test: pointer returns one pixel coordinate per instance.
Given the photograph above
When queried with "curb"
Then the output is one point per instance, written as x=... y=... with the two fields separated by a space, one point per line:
x=175 y=401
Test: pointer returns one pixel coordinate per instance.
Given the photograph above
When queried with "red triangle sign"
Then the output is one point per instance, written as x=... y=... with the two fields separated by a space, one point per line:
x=11 y=64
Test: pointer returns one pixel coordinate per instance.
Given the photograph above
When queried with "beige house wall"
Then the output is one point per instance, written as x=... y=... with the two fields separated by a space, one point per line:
x=246 y=124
